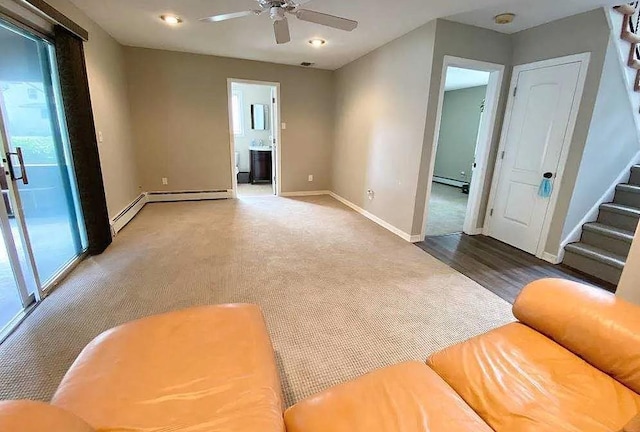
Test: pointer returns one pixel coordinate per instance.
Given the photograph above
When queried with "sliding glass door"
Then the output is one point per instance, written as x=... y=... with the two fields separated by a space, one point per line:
x=39 y=189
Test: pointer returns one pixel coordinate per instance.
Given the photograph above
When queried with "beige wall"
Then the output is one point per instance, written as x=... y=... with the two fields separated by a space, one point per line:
x=588 y=32
x=108 y=87
x=381 y=103
x=179 y=108
x=629 y=286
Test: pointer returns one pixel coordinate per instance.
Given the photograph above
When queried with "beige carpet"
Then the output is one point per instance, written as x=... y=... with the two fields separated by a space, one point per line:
x=254 y=190
x=341 y=295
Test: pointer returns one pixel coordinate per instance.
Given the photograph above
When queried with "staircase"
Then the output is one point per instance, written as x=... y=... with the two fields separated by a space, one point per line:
x=604 y=245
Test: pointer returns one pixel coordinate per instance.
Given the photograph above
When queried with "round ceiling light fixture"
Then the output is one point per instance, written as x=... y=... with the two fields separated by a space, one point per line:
x=171 y=19
x=317 y=42
x=505 y=18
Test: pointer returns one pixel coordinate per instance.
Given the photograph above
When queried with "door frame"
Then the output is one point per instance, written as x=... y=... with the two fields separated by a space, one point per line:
x=277 y=163
x=486 y=133
x=583 y=59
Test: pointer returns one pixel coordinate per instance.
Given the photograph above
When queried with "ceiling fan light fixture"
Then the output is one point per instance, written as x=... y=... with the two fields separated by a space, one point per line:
x=277 y=13
x=171 y=19
x=317 y=42
x=505 y=18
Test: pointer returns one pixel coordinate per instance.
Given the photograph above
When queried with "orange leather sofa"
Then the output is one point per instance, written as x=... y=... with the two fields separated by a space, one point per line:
x=571 y=364
x=203 y=369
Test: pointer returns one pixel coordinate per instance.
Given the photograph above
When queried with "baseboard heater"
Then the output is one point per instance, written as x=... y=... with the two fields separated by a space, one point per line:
x=126 y=215
x=449 y=182
x=188 y=195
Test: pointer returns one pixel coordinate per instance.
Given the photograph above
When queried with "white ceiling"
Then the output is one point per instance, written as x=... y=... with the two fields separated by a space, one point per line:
x=528 y=14
x=458 y=78
x=136 y=23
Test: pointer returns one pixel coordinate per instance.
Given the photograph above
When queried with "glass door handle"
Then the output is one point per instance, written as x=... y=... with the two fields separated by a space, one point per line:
x=23 y=170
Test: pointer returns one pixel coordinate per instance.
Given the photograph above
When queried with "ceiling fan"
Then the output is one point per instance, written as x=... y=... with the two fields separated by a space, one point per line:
x=278 y=9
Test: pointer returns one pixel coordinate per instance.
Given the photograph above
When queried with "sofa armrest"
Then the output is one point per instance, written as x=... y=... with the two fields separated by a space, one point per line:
x=30 y=416
x=597 y=326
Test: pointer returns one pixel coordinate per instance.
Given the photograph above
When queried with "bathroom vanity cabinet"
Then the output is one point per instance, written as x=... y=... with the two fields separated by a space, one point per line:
x=261 y=166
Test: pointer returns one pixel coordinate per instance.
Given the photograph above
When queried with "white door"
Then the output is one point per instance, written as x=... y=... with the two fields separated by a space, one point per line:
x=274 y=138
x=535 y=136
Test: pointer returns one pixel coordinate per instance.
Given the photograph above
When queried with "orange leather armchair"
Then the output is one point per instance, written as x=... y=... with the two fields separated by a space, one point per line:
x=571 y=364
x=207 y=368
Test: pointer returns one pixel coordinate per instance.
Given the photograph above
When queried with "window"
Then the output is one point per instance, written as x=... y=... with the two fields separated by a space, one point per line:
x=236 y=113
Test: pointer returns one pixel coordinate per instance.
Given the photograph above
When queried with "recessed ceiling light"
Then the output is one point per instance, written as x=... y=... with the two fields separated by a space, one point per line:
x=505 y=18
x=317 y=42
x=171 y=19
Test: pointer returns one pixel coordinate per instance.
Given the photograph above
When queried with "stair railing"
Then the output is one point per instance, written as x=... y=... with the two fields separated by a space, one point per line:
x=631 y=33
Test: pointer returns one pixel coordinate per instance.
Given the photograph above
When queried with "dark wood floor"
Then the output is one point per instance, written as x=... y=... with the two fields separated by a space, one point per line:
x=498 y=267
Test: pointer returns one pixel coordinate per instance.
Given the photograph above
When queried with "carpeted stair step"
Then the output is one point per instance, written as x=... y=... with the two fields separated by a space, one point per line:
x=594 y=261
x=627 y=194
x=619 y=216
x=635 y=175
x=608 y=238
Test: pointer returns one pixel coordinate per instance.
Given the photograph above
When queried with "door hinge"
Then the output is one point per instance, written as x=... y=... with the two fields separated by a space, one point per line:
x=491 y=212
x=502 y=155
x=515 y=91
x=273 y=100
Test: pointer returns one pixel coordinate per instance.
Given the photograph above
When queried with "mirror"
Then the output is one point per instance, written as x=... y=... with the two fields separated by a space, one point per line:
x=259 y=117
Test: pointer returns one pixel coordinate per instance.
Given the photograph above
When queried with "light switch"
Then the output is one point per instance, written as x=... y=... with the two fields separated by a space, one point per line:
x=284 y=126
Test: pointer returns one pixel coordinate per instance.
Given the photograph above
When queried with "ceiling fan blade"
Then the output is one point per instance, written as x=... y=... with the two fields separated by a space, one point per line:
x=224 y=17
x=326 y=20
x=281 y=28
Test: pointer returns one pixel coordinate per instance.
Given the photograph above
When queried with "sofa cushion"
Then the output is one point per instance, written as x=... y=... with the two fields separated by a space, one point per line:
x=408 y=397
x=633 y=425
x=207 y=368
x=517 y=379
x=584 y=320
x=31 y=416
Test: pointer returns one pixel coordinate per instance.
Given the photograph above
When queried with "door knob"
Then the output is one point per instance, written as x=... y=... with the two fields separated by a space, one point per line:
x=548 y=175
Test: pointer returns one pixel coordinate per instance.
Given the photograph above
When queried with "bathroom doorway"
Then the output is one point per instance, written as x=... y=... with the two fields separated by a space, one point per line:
x=255 y=138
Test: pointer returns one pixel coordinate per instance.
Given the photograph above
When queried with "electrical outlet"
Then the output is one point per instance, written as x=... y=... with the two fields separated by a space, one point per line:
x=100 y=138
x=311 y=177
x=371 y=195
x=165 y=181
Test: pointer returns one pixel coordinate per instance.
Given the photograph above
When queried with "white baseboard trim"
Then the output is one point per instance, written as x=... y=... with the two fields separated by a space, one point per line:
x=450 y=182
x=553 y=259
x=475 y=232
x=154 y=197
x=127 y=214
x=403 y=235
x=592 y=215
x=304 y=193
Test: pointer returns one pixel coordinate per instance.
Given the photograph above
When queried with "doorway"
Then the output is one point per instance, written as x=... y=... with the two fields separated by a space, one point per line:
x=40 y=218
x=255 y=137
x=467 y=111
x=538 y=128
